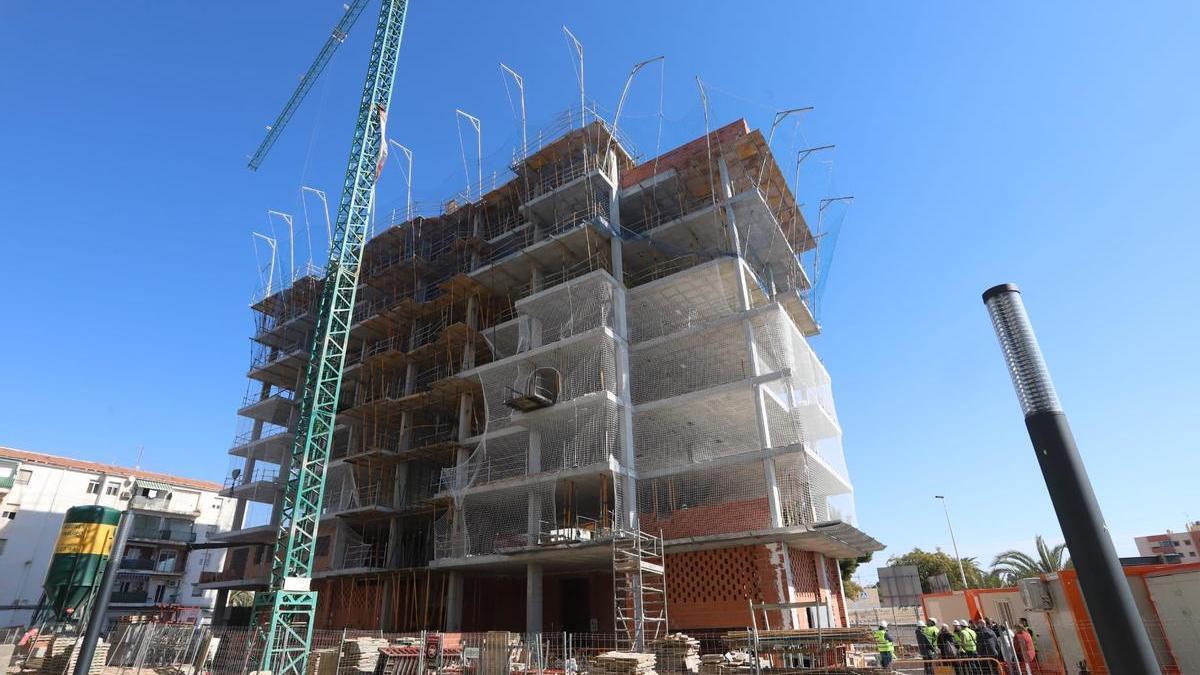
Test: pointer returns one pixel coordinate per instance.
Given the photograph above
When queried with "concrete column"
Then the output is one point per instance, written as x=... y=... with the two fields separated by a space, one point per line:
x=477 y=231
x=219 y=607
x=824 y=593
x=400 y=485
x=627 y=453
x=385 y=605
x=339 y=547
x=533 y=598
x=410 y=378
x=466 y=406
x=454 y=601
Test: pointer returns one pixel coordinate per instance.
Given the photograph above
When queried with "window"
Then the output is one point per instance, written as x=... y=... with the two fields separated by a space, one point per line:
x=10 y=513
x=93 y=487
x=1190 y=553
x=166 y=561
x=258 y=554
x=23 y=476
x=113 y=489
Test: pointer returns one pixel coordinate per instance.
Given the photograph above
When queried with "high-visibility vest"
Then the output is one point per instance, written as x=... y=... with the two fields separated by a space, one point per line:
x=931 y=632
x=968 y=640
x=885 y=645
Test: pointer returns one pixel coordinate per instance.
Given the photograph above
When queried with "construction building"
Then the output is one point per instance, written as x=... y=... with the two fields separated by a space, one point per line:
x=562 y=390
x=158 y=573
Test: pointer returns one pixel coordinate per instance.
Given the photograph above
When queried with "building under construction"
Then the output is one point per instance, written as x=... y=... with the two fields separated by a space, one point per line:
x=581 y=401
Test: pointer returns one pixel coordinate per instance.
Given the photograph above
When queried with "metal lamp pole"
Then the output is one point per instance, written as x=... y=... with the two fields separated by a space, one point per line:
x=1119 y=627
x=961 y=572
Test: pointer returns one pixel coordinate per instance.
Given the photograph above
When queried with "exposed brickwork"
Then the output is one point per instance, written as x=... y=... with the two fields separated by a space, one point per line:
x=751 y=514
x=712 y=589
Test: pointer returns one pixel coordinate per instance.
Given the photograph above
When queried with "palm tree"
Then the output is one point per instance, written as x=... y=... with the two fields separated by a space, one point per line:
x=1015 y=565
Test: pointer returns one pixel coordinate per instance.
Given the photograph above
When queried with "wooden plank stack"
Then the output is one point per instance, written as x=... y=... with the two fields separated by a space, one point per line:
x=677 y=653
x=323 y=661
x=623 y=663
x=361 y=654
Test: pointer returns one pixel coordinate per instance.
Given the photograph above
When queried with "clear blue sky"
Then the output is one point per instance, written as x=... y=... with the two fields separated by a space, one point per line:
x=1054 y=146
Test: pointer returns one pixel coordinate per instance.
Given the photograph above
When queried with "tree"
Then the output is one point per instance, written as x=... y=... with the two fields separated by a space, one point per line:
x=240 y=599
x=848 y=567
x=1013 y=566
x=931 y=564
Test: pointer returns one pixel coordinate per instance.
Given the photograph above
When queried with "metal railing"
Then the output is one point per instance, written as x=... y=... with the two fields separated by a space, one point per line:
x=364 y=555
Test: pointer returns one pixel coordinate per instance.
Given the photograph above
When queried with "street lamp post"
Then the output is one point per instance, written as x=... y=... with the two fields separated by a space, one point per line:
x=1118 y=625
x=961 y=572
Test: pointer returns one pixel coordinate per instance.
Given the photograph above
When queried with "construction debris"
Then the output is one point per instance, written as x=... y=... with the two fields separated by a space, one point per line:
x=677 y=653
x=623 y=663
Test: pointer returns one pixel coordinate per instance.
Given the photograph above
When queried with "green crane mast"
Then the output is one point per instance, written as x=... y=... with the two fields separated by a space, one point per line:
x=290 y=603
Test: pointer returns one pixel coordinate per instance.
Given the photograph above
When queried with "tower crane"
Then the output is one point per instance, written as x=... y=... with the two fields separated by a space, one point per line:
x=287 y=609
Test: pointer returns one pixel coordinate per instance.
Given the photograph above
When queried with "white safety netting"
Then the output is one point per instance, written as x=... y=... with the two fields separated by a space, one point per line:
x=560 y=342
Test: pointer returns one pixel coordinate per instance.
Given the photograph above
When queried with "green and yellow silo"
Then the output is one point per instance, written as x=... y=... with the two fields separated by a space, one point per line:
x=83 y=547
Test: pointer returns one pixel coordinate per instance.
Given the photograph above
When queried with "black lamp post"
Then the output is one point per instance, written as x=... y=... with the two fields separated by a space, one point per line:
x=1118 y=625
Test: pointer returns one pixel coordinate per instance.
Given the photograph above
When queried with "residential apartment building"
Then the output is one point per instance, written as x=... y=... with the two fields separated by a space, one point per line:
x=157 y=576
x=1186 y=544
x=599 y=361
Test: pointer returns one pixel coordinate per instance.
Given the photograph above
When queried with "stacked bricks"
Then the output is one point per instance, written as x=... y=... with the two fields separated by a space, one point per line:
x=623 y=663
x=677 y=653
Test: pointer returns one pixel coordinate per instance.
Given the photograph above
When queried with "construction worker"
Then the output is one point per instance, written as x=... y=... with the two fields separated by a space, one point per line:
x=887 y=648
x=1026 y=655
x=927 y=643
x=968 y=642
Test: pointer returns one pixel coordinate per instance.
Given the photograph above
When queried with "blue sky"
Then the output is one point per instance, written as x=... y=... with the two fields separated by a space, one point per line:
x=1052 y=145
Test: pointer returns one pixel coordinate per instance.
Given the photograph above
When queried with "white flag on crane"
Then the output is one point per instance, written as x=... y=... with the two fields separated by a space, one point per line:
x=383 y=146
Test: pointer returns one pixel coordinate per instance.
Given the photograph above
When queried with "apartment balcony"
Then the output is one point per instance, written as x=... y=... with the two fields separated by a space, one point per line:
x=235 y=579
x=150 y=566
x=562 y=242
x=276 y=409
x=129 y=598
x=279 y=366
x=262 y=485
x=363 y=503
x=272 y=445
x=172 y=535
x=163 y=504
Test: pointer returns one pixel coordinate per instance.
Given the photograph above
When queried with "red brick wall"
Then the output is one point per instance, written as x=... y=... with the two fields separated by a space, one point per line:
x=681 y=156
x=751 y=514
x=712 y=589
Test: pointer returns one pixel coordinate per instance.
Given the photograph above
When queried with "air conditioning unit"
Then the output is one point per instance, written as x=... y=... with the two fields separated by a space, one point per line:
x=1035 y=594
x=172 y=583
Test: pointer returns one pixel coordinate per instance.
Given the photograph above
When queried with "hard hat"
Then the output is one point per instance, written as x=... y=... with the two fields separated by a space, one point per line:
x=957 y=622
x=931 y=620
x=883 y=624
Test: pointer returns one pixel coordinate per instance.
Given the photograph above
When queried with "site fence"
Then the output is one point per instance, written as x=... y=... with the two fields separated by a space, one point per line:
x=135 y=648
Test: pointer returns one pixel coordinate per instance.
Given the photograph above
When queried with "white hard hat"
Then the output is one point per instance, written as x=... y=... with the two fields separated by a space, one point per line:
x=931 y=620
x=883 y=624
x=957 y=622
